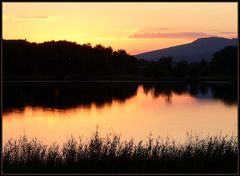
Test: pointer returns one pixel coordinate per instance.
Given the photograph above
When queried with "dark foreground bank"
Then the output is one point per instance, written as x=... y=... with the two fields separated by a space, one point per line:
x=216 y=154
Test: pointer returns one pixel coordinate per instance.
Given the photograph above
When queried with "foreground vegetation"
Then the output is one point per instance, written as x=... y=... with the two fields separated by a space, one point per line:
x=216 y=154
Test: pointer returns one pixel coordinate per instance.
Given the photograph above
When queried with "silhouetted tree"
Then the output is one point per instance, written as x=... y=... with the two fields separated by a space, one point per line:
x=181 y=69
x=61 y=59
x=69 y=60
x=225 y=62
x=165 y=65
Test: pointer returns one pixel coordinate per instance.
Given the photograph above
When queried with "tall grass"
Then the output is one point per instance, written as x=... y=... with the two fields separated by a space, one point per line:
x=211 y=154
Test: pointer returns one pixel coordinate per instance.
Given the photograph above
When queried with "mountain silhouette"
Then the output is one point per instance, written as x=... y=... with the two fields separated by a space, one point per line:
x=191 y=52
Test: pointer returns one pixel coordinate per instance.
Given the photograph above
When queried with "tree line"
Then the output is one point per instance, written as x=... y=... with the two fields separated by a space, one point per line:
x=69 y=60
x=223 y=65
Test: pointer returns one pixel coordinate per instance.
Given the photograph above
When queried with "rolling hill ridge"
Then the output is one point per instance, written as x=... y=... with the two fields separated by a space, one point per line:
x=191 y=52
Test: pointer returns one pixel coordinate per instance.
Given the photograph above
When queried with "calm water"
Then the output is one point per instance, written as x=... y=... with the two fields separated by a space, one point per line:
x=54 y=111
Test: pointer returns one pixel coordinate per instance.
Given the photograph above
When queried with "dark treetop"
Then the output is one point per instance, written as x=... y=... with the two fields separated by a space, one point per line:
x=63 y=60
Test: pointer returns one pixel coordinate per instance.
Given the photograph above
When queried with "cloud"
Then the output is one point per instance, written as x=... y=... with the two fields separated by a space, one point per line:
x=6 y=17
x=39 y=18
x=155 y=29
x=111 y=38
x=189 y=35
x=228 y=32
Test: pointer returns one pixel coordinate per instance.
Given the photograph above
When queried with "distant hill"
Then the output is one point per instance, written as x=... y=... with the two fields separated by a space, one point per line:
x=191 y=52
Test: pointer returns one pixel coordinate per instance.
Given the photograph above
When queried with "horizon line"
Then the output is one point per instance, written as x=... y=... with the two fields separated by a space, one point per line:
x=86 y=43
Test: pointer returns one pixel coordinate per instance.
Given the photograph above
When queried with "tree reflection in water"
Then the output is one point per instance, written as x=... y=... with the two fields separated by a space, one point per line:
x=62 y=96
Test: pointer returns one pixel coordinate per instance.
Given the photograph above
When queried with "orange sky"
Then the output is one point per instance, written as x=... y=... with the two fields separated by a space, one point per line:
x=135 y=27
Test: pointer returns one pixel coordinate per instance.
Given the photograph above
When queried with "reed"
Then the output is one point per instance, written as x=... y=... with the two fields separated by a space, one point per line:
x=210 y=154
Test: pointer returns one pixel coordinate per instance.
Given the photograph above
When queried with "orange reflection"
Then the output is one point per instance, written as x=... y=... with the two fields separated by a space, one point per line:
x=136 y=118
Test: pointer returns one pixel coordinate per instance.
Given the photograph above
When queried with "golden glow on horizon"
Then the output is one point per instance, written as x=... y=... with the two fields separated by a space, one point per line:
x=135 y=27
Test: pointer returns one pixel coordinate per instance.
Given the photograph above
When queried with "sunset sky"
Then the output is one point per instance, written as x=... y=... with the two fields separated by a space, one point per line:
x=135 y=27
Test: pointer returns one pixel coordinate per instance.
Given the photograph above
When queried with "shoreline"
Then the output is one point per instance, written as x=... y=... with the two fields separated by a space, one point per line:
x=124 y=81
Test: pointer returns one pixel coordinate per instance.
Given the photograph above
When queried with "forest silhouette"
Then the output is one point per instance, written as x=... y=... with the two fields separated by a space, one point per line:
x=64 y=60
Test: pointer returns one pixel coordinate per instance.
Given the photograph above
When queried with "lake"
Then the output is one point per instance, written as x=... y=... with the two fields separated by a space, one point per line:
x=53 y=111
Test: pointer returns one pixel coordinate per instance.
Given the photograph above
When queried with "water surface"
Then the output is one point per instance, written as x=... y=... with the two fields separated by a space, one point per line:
x=54 y=111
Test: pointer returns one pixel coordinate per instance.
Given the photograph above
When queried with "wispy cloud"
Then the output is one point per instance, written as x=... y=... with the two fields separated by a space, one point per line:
x=111 y=38
x=6 y=17
x=228 y=33
x=154 y=29
x=189 y=35
x=157 y=29
x=39 y=18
